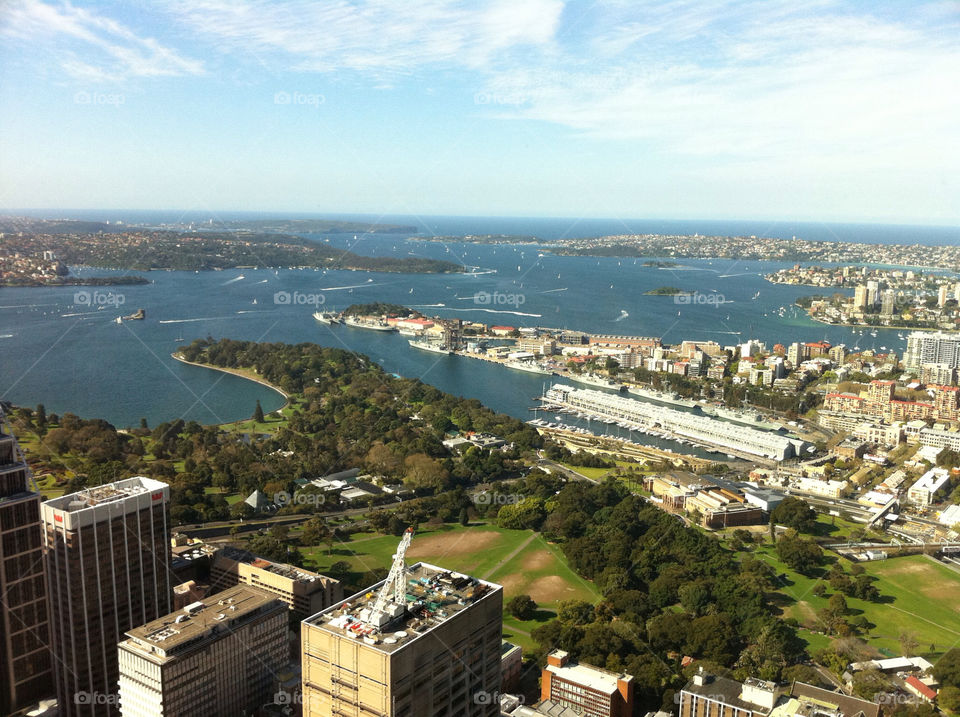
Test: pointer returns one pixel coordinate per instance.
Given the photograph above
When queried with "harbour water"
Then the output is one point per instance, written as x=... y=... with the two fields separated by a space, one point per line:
x=72 y=357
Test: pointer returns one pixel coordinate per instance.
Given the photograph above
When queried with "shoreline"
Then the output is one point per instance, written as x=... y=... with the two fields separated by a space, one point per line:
x=882 y=328
x=176 y=356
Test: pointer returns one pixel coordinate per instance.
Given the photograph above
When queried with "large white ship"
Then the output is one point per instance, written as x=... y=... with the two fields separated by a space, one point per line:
x=372 y=326
x=427 y=346
x=593 y=380
x=326 y=317
x=527 y=366
x=675 y=424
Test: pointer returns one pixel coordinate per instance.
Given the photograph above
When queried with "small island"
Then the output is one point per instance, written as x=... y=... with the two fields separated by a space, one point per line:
x=660 y=264
x=667 y=291
x=379 y=308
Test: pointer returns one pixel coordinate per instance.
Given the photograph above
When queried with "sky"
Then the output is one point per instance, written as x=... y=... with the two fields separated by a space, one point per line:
x=688 y=109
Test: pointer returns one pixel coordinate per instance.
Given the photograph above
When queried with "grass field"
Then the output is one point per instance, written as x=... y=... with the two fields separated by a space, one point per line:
x=918 y=596
x=520 y=560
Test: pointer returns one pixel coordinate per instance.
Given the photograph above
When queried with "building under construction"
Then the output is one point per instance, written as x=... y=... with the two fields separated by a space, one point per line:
x=425 y=641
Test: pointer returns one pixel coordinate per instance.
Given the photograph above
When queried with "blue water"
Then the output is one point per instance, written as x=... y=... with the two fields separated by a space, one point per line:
x=74 y=358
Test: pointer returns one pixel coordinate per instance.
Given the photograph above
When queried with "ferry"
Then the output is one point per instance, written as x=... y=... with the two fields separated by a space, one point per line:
x=326 y=317
x=138 y=315
x=427 y=346
x=379 y=326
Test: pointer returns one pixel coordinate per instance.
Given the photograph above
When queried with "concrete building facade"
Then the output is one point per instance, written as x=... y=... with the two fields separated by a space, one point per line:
x=215 y=658
x=587 y=690
x=438 y=654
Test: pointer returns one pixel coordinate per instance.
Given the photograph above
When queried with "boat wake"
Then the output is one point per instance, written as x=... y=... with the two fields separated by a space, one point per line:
x=623 y=315
x=342 y=288
x=233 y=280
x=552 y=291
x=189 y=321
x=495 y=311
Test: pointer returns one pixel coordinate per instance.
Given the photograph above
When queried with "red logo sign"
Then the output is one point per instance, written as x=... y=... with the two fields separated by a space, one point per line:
x=157 y=496
x=58 y=518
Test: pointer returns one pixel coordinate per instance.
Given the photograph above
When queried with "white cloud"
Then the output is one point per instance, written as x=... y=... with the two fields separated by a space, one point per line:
x=377 y=37
x=90 y=46
x=776 y=84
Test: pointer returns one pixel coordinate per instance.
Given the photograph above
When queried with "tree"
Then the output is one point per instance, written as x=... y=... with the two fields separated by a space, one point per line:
x=421 y=472
x=947 y=669
x=314 y=531
x=522 y=607
x=382 y=461
x=575 y=612
x=258 y=414
x=801 y=554
x=949 y=698
x=464 y=517
x=795 y=513
x=908 y=642
x=870 y=684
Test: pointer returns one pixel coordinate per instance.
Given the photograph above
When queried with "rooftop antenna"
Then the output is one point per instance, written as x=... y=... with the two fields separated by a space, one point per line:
x=382 y=611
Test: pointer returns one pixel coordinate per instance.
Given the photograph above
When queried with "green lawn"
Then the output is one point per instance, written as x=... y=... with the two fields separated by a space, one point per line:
x=917 y=595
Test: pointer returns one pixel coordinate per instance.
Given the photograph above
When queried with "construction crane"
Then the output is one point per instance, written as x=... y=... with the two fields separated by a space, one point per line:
x=378 y=615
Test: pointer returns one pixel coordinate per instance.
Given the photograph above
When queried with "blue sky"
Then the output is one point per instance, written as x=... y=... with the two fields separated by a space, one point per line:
x=772 y=109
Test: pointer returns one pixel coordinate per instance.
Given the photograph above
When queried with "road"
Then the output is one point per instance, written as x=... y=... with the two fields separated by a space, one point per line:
x=222 y=527
x=564 y=471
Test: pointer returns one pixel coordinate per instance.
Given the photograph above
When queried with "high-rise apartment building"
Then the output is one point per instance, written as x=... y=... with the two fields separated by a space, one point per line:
x=108 y=566
x=25 y=658
x=435 y=651
x=587 y=690
x=861 y=297
x=215 y=658
x=932 y=347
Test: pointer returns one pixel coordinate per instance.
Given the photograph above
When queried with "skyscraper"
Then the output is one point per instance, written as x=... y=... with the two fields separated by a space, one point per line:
x=108 y=564
x=425 y=641
x=25 y=657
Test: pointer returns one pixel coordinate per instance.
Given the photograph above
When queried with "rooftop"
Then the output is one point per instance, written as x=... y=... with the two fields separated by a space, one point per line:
x=588 y=676
x=106 y=493
x=223 y=611
x=282 y=569
x=434 y=595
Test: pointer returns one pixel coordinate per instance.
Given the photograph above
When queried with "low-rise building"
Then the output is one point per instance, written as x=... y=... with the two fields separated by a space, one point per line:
x=825 y=488
x=589 y=691
x=710 y=696
x=927 y=490
x=304 y=592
